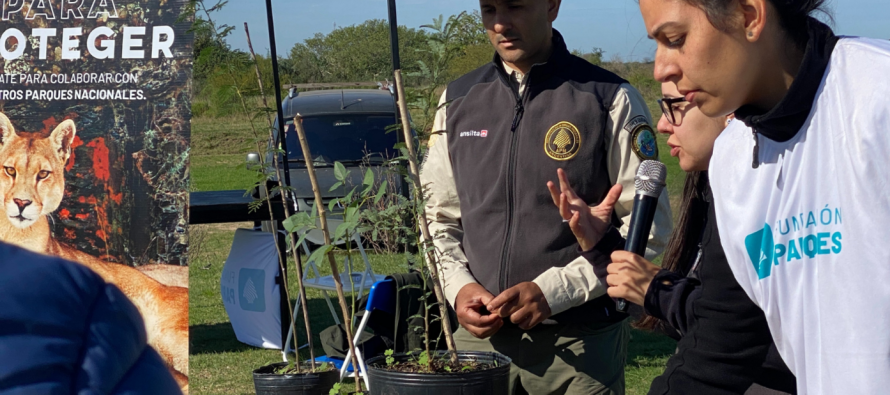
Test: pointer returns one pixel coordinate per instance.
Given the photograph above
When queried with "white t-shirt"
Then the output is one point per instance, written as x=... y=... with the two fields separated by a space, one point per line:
x=807 y=234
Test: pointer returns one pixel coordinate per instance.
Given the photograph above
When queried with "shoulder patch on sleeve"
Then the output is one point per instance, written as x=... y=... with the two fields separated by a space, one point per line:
x=638 y=120
x=644 y=143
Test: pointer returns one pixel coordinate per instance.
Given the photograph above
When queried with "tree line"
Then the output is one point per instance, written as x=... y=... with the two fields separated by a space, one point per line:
x=357 y=53
x=432 y=55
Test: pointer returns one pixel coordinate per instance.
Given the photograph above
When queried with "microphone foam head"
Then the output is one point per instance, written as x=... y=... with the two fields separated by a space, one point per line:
x=650 y=179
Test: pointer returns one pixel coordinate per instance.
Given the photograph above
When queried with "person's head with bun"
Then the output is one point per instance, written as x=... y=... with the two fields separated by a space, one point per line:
x=723 y=54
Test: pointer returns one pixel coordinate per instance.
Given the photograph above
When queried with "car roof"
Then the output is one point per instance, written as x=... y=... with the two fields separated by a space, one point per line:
x=338 y=101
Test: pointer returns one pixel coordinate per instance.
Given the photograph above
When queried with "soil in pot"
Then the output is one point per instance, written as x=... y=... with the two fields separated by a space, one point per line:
x=482 y=373
x=267 y=381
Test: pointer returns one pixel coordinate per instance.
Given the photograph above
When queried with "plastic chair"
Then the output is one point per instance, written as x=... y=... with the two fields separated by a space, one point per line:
x=382 y=297
x=360 y=279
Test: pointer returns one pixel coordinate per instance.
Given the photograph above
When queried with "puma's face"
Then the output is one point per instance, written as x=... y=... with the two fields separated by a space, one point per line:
x=32 y=172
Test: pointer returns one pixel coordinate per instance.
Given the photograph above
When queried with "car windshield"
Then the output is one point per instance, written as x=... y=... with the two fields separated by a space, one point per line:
x=344 y=138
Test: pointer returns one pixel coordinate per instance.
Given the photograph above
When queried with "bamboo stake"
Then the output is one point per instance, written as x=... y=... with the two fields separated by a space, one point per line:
x=293 y=246
x=421 y=220
x=322 y=217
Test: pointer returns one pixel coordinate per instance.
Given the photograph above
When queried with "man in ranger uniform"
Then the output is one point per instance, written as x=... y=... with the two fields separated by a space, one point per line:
x=500 y=135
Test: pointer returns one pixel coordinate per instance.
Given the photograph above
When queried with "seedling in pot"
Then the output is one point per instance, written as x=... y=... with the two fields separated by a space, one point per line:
x=350 y=215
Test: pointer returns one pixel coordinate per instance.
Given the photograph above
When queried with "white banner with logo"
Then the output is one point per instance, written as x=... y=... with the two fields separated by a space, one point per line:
x=806 y=231
x=249 y=292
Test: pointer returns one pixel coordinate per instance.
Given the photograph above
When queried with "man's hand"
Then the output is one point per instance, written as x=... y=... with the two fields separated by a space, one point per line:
x=469 y=300
x=589 y=224
x=524 y=303
x=629 y=276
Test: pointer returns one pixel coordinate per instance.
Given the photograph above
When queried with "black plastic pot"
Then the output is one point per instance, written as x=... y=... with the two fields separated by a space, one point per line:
x=493 y=381
x=267 y=382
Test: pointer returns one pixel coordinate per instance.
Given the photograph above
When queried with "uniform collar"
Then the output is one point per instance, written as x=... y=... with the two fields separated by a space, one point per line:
x=512 y=72
x=783 y=121
x=515 y=78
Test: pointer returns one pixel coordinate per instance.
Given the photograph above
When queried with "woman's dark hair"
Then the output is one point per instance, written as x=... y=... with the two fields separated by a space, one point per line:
x=683 y=245
x=793 y=14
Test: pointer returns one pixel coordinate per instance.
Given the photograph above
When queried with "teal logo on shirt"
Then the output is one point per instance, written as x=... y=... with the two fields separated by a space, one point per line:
x=761 y=248
x=801 y=237
x=251 y=290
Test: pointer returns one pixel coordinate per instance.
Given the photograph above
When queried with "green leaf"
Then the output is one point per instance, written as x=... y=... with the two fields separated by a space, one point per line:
x=319 y=253
x=285 y=369
x=314 y=210
x=336 y=185
x=380 y=192
x=369 y=178
x=301 y=239
x=389 y=357
x=335 y=390
x=298 y=221
x=340 y=172
x=340 y=232
x=351 y=215
x=332 y=204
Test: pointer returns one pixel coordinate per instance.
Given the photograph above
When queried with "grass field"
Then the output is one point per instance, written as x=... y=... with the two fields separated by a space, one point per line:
x=220 y=364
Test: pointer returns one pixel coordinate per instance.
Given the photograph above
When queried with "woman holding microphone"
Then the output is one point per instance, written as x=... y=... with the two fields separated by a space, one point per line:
x=801 y=196
x=693 y=258
x=800 y=187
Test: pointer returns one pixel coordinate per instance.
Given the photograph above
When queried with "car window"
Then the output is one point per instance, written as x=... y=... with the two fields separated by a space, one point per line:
x=344 y=137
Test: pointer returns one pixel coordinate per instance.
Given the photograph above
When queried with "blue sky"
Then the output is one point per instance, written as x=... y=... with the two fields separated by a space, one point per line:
x=613 y=25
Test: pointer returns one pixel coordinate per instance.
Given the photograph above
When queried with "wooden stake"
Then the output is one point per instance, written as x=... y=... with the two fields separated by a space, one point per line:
x=432 y=264
x=322 y=217
x=293 y=245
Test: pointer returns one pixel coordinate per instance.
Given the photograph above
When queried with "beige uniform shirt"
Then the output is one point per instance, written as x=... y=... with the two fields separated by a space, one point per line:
x=567 y=286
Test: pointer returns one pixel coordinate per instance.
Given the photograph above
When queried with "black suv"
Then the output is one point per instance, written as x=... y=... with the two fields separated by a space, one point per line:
x=344 y=125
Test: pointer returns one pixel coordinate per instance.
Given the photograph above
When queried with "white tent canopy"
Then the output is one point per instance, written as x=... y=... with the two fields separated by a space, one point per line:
x=249 y=291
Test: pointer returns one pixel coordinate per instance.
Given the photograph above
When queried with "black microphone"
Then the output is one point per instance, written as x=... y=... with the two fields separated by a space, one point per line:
x=648 y=183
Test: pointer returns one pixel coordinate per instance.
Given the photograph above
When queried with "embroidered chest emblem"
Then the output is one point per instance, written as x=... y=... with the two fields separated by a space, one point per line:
x=563 y=141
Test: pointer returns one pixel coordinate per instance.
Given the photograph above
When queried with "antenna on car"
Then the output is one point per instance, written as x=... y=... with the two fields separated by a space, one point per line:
x=342 y=106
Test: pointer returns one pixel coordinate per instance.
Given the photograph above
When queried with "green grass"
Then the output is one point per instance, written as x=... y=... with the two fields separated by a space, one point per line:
x=676 y=176
x=225 y=136
x=219 y=151
x=220 y=173
x=220 y=364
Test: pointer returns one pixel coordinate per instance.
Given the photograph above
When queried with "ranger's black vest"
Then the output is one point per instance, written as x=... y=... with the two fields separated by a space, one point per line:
x=504 y=148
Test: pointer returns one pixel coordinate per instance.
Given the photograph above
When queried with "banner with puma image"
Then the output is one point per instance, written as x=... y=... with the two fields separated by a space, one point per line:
x=94 y=141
